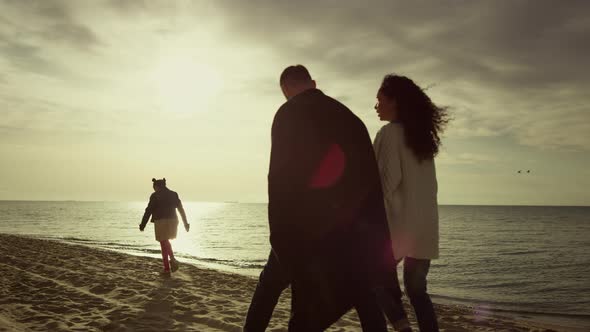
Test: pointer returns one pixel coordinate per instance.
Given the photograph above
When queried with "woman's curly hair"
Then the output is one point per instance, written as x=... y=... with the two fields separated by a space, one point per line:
x=422 y=120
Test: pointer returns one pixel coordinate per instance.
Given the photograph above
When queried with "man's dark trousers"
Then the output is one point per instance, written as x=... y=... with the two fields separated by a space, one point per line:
x=273 y=281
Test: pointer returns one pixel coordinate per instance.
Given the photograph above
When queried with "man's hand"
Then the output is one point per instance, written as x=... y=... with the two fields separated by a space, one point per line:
x=141 y=228
x=187 y=226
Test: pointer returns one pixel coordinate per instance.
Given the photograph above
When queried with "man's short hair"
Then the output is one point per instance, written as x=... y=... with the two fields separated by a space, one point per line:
x=295 y=74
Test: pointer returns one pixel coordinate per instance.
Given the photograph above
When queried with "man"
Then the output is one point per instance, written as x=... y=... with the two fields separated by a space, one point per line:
x=328 y=230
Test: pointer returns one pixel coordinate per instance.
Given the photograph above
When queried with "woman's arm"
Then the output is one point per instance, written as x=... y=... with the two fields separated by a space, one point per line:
x=387 y=144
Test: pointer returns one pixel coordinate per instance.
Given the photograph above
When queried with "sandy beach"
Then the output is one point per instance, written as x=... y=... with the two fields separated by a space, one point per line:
x=53 y=286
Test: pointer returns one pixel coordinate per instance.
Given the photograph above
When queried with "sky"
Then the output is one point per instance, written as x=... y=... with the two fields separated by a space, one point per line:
x=99 y=97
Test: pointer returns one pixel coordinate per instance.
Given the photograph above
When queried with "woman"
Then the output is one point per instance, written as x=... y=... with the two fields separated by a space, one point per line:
x=405 y=149
x=162 y=207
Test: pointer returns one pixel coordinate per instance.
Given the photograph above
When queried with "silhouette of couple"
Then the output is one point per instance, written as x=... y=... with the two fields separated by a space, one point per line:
x=343 y=214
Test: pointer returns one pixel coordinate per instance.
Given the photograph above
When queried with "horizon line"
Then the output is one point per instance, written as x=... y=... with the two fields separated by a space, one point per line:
x=246 y=202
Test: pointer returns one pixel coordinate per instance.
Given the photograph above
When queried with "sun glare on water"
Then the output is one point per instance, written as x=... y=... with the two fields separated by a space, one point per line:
x=198 y=214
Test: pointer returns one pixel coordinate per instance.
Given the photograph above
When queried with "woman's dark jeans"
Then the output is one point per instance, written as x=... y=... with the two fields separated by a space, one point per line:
x=415 y=273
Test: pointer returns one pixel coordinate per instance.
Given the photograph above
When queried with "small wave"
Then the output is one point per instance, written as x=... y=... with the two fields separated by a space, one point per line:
x=507 y=284
x=142 y=250
x=234 y=263
x=104 y=244
x=506 y=307
x=250 y=264
x=74 y=239
x=522 y=252
x=138 y=248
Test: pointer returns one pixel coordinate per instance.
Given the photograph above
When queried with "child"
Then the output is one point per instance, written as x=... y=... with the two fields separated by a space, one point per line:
x=162 y=207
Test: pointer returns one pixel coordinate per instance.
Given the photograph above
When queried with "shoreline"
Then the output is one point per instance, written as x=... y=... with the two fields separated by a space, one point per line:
x=574 y=321
x=52 y=285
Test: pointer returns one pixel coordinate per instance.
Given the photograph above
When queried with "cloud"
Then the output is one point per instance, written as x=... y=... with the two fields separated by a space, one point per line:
x=504 y=69
x=445 y=158
x=501 y=67
x=102 y=82
x=47 y=22
x=35 y=36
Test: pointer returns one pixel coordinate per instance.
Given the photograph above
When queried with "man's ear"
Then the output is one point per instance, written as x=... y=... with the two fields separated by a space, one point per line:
x=285 y=91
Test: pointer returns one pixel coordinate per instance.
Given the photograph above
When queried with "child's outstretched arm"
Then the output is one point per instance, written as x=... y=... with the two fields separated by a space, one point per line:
x=147 y=214
x=180 y=208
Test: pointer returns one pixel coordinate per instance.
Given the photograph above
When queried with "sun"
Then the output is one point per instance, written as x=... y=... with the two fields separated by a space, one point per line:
x=185 y=83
